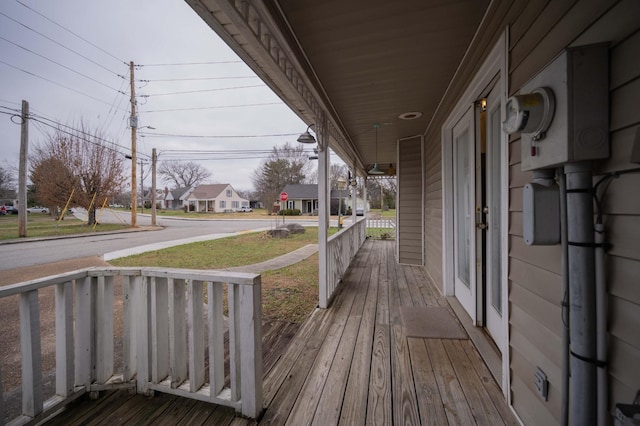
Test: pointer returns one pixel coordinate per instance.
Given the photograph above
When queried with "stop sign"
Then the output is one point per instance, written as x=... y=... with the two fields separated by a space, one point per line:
x=284 y=196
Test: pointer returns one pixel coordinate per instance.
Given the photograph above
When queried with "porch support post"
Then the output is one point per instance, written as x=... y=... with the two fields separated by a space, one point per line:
x=323 y=208
x=354 y=193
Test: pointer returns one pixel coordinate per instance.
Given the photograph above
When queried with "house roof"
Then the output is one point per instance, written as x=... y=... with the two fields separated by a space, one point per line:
x=208 y=192
x=305 y=191
x=177 y=192
x=309 y=191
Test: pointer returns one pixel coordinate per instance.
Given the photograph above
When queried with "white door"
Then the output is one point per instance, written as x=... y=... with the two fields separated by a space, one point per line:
x=464 y=213
x=493 y=299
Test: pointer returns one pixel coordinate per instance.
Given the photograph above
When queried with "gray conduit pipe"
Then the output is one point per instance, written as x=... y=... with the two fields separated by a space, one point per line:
x=582 y=314
x=562 y=184
x=601 y=317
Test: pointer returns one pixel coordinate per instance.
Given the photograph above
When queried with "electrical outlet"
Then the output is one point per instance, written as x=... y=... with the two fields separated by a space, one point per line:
x=541 y=383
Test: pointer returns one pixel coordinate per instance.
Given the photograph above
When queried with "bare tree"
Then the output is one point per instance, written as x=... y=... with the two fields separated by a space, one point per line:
x=7 y=182
x=287 y=164
x=75 y=159
x=183 y=174
x=337 y=171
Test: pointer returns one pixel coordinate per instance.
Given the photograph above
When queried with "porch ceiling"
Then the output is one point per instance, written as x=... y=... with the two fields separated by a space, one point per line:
x=365 y=61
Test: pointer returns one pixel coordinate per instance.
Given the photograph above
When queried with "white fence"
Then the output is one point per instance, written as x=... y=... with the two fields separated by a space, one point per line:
x=381 y=229
x=164 y=326
x=341 y=249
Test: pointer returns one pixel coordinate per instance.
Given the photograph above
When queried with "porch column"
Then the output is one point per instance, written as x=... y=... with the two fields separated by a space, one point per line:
x=323 y=208
x=354 y=194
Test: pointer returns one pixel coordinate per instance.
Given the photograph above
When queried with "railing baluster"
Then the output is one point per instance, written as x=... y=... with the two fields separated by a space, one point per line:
x=196 y=335
x=64 y=339
x=104 y=329
x=141 y=310
x=216 y=337
x=129 y=331
x=32 y=401
x=234 y=342
x=1 y=399
x=177 y=332
x=159 y=329
x=83 y=332
x=250 y=316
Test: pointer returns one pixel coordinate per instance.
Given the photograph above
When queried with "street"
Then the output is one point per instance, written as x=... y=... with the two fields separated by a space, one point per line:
x=47 y=251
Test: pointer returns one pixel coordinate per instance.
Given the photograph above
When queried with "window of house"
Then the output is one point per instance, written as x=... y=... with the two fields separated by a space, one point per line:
x=235 y=204
x=223 y=204
x=291 y=204
x=228 y=193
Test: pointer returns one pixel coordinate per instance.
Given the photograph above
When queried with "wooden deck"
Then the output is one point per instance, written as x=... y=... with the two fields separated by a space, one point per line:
x=349 y=364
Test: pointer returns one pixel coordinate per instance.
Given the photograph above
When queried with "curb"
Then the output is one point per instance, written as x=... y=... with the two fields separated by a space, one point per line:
x=88 y=234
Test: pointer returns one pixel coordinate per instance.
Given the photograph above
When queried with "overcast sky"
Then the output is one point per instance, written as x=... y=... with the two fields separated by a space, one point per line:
x=153 y=34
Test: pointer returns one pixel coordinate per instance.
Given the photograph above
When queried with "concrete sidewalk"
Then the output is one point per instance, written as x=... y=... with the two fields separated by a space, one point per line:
x=278 y=262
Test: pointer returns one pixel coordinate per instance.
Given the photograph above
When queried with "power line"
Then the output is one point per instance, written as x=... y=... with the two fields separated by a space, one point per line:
x=70 y=32
x=175 y=135
x=61 y=65
x=189 y=63
x=198 y=78
x=60 y=44
x=203 y=90
x=53 y=82
x=212 y=107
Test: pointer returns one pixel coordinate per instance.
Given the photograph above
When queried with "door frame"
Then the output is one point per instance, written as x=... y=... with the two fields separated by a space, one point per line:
x=494 y=69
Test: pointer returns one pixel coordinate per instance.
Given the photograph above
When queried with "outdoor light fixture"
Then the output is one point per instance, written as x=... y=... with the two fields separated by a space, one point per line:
x=307 y=137
x=375 y=170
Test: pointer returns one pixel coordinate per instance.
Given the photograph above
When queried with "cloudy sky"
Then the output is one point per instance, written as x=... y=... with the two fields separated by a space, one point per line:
x=65 y=79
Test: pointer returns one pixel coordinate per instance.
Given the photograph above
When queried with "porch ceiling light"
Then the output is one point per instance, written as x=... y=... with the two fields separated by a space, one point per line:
x=375 y=170
x=307 y=137
x=410 y=115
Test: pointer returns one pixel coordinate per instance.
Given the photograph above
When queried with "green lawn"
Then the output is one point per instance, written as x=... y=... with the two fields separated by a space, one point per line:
x=44 y=225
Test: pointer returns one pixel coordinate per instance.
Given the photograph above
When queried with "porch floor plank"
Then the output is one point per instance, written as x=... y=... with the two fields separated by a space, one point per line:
x=350 y=364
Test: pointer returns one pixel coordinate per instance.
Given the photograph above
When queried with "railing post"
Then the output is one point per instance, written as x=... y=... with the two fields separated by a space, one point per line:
x=64 y=339
x=250 y=316
x=32 y=400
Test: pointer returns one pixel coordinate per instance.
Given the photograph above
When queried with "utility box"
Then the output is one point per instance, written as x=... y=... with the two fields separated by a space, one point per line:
x=541 y=214
x=579 y=129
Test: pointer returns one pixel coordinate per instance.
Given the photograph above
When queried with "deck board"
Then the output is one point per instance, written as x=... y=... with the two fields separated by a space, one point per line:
x=349 y=364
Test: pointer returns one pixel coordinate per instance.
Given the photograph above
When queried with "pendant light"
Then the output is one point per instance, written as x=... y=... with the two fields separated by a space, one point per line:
x=375 y=170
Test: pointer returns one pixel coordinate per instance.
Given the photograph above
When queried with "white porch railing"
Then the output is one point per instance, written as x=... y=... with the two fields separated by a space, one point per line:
x=164 y=325
x=381 y=229
x=341 y=249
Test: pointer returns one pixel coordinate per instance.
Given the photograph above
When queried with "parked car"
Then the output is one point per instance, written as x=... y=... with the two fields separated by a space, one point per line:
x=245 y=209
x=37 y=210
x=359 y=211
x=11 y=209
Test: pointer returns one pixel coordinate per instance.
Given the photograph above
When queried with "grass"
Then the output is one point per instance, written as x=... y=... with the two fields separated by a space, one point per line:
x=288 y=294
x=223 y=253
x=388 y=213
x=44 y=225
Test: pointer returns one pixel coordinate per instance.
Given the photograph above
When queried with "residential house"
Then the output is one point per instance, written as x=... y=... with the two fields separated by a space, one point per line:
x=215 y=198
x=426 y=85
x=173 y=199
x=304 y=197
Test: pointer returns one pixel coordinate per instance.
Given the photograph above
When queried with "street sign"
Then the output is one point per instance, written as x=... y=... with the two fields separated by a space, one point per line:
x=284 y=196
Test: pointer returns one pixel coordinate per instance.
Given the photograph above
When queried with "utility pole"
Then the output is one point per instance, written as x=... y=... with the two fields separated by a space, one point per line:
x=154 y=157
x=133 y=122
x=141 y=187
x=22 y=172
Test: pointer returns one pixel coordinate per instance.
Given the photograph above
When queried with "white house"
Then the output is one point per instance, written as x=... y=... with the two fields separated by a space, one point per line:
x=215 y=198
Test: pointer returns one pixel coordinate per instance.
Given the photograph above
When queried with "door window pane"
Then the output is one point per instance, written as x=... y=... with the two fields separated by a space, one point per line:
x=463 y=212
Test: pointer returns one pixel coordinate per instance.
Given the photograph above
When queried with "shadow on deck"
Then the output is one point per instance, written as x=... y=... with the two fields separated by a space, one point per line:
x=349 y=364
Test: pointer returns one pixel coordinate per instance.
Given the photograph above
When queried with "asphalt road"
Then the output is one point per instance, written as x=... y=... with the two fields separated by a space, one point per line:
x=47 y=251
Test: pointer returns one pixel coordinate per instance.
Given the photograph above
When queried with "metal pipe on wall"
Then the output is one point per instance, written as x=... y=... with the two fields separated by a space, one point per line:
x=601 y=325
x=562 y=185
x=582 y=314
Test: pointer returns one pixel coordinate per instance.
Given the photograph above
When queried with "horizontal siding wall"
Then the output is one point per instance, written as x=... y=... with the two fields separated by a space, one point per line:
x=410 y=201
x=542 y=31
